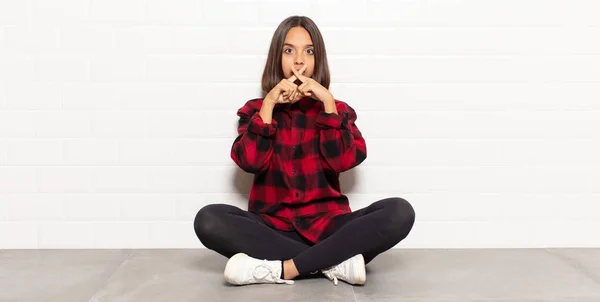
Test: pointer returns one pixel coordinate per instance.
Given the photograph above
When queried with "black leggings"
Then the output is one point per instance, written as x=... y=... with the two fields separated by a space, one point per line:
x=370 y=231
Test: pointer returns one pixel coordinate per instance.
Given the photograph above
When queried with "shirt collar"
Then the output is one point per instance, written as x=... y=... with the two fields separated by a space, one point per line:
x=304 y=104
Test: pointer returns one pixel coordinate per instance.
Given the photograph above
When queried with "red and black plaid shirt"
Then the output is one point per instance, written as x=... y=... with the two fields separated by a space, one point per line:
x=296 y=161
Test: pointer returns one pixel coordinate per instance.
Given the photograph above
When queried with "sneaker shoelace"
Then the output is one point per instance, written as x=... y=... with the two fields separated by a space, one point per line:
x=332 y=274
x=262 y=274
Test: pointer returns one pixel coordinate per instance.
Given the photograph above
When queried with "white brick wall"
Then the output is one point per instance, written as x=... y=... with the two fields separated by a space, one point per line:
x=483 y=114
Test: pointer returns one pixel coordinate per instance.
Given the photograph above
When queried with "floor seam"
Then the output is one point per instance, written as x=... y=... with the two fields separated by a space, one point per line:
x=574 y=264
x=354 y=294
x=111 y=275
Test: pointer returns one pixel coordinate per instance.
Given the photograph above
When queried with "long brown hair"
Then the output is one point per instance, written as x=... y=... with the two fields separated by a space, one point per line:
x=273 y=72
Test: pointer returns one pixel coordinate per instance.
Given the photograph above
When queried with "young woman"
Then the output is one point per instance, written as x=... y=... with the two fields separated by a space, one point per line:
x=296 y=141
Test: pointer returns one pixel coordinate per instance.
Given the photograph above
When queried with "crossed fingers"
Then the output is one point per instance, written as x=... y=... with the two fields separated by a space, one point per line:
x=293 y=78
x=297 y=75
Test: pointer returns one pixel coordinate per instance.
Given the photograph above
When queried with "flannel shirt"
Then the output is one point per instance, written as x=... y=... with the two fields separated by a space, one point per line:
x=296 y=161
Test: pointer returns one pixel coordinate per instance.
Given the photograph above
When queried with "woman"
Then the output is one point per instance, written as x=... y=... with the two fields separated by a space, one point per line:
x=296 y=141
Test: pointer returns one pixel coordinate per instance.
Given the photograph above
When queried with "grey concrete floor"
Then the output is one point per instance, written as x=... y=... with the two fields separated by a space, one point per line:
x=397 y=275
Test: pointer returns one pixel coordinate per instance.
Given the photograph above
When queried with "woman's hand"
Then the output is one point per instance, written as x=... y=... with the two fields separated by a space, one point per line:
x=312 y=88
x=285 y=91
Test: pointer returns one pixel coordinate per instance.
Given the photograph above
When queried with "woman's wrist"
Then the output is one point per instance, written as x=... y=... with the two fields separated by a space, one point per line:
x=329 y=106
x=266 y=111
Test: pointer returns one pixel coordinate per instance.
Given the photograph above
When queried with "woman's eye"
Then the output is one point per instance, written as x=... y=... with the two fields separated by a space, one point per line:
x=310 y=51
x=286 y=50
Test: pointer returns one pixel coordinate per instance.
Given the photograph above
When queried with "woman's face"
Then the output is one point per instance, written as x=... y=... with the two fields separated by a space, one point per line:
x=298 y=52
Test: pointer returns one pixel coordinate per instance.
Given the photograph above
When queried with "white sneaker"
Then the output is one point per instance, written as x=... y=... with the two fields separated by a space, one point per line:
x=242 y=269
x=352 y=271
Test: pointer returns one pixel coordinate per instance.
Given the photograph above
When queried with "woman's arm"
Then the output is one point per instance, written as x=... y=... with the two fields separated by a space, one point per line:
x=342 y=145
x=253 y=148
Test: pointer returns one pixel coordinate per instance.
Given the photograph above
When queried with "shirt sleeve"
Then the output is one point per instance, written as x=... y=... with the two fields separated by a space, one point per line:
x=253 y=147
x=342 y=145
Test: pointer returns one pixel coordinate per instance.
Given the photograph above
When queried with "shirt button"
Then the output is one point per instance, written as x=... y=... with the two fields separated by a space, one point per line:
x=297 y=194
x=293 y=171
x=294 y=147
